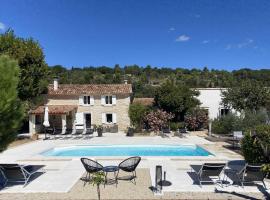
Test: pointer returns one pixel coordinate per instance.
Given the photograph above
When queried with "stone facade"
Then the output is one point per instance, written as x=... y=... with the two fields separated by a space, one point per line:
x=120 y=108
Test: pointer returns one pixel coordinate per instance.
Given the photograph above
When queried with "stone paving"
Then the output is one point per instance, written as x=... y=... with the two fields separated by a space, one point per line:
x=62 y=173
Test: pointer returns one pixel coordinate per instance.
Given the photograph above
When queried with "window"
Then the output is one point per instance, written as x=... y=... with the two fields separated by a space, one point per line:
x=86 y=100
x=109 y=118
x=224 y=111
x=108 y=99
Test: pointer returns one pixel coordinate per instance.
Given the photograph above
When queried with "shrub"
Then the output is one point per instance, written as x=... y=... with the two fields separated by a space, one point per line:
x=196 y=119
x=176 y=125
x=256 y=146
x=136 y=114
x=251 y=149
x=250 y=120
x=158 y=119
x=226 y=124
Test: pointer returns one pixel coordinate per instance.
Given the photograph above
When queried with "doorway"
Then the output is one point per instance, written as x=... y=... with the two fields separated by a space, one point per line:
x=87 y=117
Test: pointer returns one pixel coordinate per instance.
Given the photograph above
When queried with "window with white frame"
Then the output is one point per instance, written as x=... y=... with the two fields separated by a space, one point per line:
x=108 y=100
x=109 y=118
x=86 y=100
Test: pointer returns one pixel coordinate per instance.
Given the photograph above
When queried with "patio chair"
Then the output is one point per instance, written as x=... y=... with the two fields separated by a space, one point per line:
x=50 y=131
x=79 y=129
x=129 y=165
x=207 y=171
x=237 y=136
x=251 y=174
x=90 y=166
x=17 y=173
x=89 y=131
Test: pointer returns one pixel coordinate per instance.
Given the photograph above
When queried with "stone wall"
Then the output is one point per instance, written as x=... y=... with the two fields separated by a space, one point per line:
x=96 y=110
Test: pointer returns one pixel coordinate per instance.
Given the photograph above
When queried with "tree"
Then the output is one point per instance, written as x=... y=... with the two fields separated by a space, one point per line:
x=176 y=99
x=97 y=179
x=249 y=95
x=136 y=114
x=11 y=112
x=31 y=60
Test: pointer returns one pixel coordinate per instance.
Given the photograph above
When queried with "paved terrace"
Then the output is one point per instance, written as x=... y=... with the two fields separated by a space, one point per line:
x=62 y=173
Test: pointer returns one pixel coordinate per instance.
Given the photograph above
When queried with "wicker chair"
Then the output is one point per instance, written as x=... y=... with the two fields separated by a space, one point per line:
x=90 y=166
x=129 y=165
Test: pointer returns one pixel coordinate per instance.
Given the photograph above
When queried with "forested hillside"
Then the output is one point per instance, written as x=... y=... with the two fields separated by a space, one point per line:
x=146 y=79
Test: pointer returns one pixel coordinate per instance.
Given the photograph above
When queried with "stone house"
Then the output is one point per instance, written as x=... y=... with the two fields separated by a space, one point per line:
x=86 y=105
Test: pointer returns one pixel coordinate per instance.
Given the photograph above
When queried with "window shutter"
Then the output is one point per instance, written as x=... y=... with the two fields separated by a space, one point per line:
x=102 y=100
x=113 y=99
x=80 y=100
x=79 y=118
x=103 y=118
x=114 y=118
x=92 y=100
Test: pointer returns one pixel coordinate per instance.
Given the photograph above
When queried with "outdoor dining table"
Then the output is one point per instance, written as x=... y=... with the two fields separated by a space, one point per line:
x=110 y=169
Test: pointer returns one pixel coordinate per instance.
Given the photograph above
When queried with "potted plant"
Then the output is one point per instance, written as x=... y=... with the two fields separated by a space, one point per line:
x=130 y=132
x=99 y=130
x=97 y=179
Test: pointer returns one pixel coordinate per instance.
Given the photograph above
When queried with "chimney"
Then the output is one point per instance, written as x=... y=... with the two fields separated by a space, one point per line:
x=126 y=81
x=55 y=83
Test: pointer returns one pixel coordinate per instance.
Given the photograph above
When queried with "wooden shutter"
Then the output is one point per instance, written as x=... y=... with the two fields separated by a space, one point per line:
x=80 y=100
x=92 y=100
x=79 y=118
x=114 y=99
x=102 y=100
x=103 y=118
x=114 y=118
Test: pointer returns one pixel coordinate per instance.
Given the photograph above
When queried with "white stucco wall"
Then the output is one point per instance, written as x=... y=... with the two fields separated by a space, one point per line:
x=211 y=99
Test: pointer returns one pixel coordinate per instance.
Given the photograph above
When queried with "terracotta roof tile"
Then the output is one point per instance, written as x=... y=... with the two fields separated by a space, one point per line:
x=54 y=109
x=78 y=89
x=144 y=101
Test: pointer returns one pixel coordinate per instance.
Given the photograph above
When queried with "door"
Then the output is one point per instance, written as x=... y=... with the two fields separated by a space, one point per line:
x=88 y=120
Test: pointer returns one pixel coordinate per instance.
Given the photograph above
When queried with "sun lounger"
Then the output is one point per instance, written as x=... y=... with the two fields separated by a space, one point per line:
x=206 y=172
x=251 y=174
x=17 y=173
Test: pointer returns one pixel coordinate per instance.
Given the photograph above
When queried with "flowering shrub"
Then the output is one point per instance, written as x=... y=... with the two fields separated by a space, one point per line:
x=158 y=119
x=196 y=119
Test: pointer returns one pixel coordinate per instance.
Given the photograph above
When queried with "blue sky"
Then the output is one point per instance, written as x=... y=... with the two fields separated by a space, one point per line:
x=220 y=34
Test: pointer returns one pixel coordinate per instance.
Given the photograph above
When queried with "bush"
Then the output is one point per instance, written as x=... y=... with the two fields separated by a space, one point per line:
x=158 y=119
x=226 y=124
x=136 y=114
x=250 y=120
x=176 y=125
x=196 y=119
x=251 y=149
x=256 y=146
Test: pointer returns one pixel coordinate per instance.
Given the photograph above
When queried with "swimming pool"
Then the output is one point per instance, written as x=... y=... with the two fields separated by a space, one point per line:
x=128 y=150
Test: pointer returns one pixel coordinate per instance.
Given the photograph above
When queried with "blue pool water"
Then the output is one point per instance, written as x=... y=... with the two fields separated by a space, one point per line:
x=128 y=150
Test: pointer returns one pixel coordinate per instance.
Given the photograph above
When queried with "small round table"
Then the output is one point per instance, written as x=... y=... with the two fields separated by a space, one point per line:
x=109 y=169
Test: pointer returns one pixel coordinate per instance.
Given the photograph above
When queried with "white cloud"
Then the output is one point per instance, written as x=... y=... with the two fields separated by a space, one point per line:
x=248 y=43
x=2 y=26
x=182 y=38
x=171 y=29
x=205 y=41
x=228 y=47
